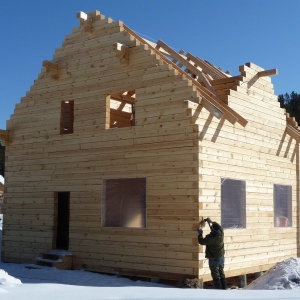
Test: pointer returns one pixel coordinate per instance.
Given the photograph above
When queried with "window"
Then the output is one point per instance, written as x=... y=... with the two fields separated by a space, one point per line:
x=120 y=110
x=124 y=203
x=66 y=117
x=233 y=203
x=282 y=205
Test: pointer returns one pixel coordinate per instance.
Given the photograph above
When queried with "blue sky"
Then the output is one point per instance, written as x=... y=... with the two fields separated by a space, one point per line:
x=227 y=33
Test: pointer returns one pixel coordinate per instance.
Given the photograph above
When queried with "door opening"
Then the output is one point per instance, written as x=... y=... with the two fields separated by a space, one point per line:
x=61 y=220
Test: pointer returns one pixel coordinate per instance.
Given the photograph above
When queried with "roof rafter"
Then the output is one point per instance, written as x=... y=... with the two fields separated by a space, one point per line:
x=293 y=132
x=128 y=98
x=206 y=67
x=292 y=128
x=207 y=96
x=190 y=68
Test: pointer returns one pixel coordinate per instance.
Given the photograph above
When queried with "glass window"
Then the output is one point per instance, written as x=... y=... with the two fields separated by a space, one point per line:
x=282 y=205
x=233 y=203
x=124 y=203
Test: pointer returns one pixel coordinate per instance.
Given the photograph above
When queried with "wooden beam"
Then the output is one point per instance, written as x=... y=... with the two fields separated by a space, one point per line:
x=122 y=53
x=123 y=98
x=50 y=65
x=207 y=68
x=51 y=68
x=94 y=14
x=227 y=80
x=213 y=110
x=82 y=17
x=267 y=73
x=293 y=132
x=205 y=93
x=291 y=120
x=86 y=20
x=190 y=67
x=4 y=137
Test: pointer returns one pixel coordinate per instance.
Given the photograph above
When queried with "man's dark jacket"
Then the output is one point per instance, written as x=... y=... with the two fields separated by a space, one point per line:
x=214 y=242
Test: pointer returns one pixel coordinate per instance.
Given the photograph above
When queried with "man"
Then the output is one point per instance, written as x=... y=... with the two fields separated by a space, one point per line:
x=214 y=251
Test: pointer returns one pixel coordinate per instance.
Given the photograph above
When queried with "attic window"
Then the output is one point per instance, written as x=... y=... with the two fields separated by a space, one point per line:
x=66 y=117
x=124 y=203
x=233 y=203
x=120 y=109
x=282 y=205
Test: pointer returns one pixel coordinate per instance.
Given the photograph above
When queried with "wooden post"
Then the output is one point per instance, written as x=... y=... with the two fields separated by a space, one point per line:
x=267 y=73
x=122 y=53
x=242 y=281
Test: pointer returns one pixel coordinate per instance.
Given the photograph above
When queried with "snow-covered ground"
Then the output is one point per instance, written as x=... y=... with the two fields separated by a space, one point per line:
x=20 y=283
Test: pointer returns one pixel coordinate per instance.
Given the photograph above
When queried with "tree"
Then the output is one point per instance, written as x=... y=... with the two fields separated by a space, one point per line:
x=291 y=102
x=2 y=159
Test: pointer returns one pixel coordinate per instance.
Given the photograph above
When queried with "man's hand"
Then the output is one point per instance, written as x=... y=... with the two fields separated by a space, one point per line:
x=208 y=220
x=200 y=231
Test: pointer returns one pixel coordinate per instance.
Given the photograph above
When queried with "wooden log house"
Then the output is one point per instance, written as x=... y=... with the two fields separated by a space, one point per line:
x=121 y=146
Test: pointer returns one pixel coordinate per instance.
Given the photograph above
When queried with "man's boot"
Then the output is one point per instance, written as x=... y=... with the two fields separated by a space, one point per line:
x=223 y=283
x=217 y=284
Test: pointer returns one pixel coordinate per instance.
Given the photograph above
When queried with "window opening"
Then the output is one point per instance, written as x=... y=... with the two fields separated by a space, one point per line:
x=121 y=110
x=282 y=205
x=124 y=203
x=233 y=203
x=67 y=117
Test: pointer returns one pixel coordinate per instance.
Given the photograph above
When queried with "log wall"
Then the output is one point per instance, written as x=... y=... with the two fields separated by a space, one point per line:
x=160 y=147
x=262 y=154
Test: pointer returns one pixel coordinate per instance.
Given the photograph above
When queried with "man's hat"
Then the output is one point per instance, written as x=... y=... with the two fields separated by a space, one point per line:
x=215 y=226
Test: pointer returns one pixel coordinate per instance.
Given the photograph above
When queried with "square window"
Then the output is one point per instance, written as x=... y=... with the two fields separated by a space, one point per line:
x=282 y=205
x=233 y=203
x=124 y=203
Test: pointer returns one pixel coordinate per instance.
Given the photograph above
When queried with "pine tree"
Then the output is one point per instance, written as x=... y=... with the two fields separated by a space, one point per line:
x=291 y=102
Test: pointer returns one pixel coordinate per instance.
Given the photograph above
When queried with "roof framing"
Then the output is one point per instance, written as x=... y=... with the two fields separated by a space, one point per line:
x=292 y=128
x=208 y=98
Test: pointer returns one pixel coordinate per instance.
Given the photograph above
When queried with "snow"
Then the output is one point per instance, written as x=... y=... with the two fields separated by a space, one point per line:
x=284 y=275
x=17 y=282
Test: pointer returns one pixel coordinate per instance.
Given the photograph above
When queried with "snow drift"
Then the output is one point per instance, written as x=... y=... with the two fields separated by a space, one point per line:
x=283 y=276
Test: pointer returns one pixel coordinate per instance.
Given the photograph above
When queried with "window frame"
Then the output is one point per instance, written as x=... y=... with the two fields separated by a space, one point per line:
x=67 y=117
x=132 y=190
x=283 y=216
x=227 y=195
x=120 y=109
